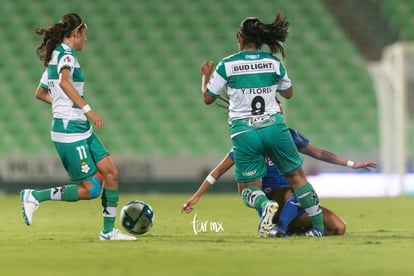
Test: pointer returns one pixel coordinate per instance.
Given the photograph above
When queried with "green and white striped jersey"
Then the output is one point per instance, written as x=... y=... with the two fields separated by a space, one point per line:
x=252 y=79
x=69 y=121
x=62 y=107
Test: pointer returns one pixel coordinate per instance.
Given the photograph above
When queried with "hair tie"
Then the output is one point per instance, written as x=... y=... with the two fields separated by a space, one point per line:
x=62 y=24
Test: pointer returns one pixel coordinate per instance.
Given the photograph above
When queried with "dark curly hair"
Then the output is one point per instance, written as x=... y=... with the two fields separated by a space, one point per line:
x=55 y=33
x=273 y=35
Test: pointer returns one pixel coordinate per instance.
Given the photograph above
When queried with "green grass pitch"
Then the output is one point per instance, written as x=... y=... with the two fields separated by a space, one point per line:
x=64 y=240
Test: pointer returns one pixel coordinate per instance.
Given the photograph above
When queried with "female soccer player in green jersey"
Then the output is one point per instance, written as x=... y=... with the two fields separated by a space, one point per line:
x=252 y=78
x=80 y=150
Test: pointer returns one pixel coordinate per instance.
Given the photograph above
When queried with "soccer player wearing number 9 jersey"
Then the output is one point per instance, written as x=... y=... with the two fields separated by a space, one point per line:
x=252 y=77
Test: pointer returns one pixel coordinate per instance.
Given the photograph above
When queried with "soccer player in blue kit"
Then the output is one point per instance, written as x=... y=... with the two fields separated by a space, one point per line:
x=291 y=218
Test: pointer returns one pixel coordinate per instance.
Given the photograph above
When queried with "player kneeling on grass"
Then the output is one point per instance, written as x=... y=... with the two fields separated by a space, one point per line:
x=291 y=218
x=80 y=150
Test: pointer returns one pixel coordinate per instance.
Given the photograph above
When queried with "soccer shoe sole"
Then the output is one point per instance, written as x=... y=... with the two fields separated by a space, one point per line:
x=25 y=194
x=266 y=221
x=22 y=196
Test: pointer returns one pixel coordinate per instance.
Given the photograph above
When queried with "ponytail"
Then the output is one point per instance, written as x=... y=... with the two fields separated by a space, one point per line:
x=273 y=35
x=55 y=33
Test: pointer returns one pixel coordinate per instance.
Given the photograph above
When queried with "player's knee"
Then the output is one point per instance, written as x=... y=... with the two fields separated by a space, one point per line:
x=95 y=189
x=338 y=230
x=341 y=229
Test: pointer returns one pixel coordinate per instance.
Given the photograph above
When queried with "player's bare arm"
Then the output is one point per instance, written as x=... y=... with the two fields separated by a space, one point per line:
x=206 y=69
x=66 y=85
x=43 y=95
x=332 y=158
x=215 y=174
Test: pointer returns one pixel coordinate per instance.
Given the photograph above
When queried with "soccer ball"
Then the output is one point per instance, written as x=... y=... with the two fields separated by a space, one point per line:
x=137 y=217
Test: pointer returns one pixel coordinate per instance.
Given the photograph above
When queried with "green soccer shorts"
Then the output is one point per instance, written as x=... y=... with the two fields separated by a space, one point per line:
x=271 y=139
x=80 y=158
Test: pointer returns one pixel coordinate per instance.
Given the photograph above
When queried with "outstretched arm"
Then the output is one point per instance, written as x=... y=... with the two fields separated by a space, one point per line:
x=332 y=158
x=215 y=174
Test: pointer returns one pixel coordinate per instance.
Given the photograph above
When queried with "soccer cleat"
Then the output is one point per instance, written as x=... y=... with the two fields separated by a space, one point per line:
x=29 y=205
x=116 y=235
x=314 y=232
x=278 y=232
x=266 y=221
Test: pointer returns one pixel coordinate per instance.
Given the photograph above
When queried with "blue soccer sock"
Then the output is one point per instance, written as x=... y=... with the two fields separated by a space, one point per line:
x=290 y=211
